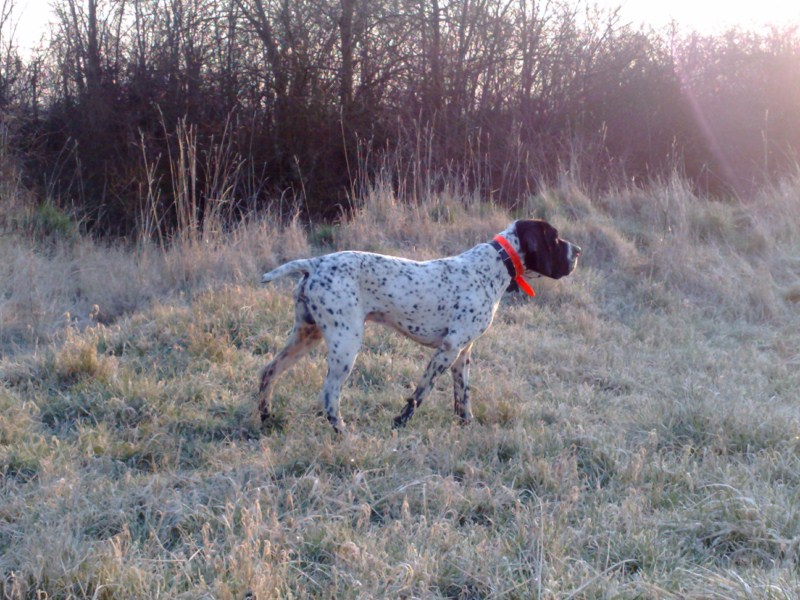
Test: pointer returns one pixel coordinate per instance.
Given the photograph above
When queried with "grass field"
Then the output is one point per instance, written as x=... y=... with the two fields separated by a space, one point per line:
x=637 y=429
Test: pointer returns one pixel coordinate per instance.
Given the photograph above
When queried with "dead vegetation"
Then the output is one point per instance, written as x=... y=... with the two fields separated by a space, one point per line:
x=637 y=431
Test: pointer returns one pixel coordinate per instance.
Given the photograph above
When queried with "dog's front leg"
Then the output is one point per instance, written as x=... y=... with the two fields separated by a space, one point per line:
x=460 y=371
x=442 y=359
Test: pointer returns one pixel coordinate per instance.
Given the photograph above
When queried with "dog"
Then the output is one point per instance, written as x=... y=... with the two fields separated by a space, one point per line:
x=445 y=304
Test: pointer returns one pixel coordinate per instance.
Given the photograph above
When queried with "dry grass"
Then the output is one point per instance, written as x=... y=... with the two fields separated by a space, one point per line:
x=637 y=430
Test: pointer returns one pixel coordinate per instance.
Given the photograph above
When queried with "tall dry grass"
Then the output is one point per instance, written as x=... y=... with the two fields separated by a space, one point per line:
x=49 y=288
x=637 y=430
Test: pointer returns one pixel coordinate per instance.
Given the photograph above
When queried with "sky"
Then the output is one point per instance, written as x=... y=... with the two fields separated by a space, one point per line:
x=706 y=16
x=709 y=16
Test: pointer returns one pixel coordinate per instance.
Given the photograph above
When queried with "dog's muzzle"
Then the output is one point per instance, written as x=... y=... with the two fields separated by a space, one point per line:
x=573 y=252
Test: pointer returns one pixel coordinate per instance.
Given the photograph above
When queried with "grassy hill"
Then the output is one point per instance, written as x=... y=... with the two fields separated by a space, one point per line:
x=637 y=429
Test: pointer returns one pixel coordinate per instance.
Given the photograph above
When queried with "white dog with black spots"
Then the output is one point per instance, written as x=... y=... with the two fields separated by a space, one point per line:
x=445 y=304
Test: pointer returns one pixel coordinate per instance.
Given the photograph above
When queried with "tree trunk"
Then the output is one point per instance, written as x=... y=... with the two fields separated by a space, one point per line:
x=346 y=74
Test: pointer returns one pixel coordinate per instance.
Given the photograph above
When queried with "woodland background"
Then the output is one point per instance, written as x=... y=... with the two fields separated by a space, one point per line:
x=136 y=115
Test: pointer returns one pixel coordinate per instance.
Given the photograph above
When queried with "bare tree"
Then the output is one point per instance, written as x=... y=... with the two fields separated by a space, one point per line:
x=7 y=51
x=503 y=93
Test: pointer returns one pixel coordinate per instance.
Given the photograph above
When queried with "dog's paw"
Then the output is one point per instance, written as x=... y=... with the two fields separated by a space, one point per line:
x=403 y=418
x=337 y=423
x=271 y=422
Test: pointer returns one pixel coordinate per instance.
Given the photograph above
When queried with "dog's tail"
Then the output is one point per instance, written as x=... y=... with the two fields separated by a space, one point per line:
x=303 y=265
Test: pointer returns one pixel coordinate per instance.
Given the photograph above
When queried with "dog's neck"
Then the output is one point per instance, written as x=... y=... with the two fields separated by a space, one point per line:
x=513 y=264
x=510 y=234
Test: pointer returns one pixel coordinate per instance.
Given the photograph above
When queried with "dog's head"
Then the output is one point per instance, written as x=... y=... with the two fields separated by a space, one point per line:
x=543 y=251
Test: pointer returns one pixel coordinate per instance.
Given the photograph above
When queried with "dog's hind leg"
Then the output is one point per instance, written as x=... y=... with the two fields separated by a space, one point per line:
x=342 y=352
x=304 y=337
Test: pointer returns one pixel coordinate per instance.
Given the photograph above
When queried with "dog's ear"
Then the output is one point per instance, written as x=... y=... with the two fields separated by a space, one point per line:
x=538 y=243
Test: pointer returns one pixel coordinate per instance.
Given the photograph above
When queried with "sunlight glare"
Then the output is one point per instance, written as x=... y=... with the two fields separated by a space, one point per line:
x=33 y=17
x=708 y=16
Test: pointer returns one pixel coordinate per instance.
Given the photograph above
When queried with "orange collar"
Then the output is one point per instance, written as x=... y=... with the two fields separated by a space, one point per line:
x=516 y=263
